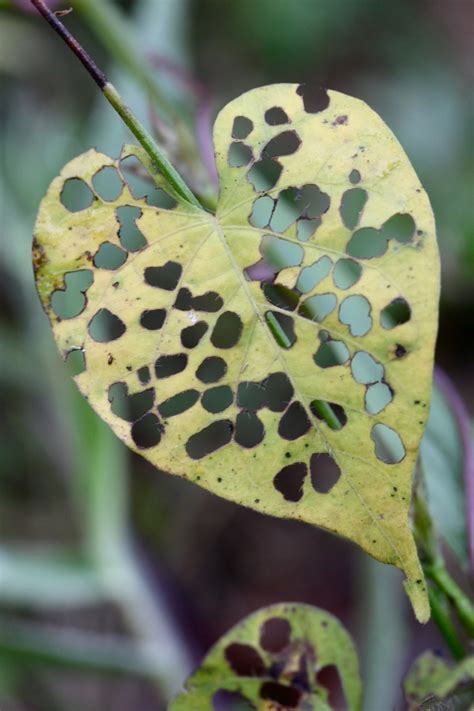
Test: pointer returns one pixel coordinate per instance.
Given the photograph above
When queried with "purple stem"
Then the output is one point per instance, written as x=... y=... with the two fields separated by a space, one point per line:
x=203 y=112
x=461 y=415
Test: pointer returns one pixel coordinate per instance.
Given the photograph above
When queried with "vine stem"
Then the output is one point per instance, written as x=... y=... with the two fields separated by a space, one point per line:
x=453 y=592
x=445 y=624
x=168 y=171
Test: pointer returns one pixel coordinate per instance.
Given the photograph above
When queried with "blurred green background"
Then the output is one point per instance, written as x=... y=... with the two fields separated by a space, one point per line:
x=116 y=578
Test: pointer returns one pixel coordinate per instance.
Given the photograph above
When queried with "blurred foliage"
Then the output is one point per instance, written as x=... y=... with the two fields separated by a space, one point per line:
x=208 y=562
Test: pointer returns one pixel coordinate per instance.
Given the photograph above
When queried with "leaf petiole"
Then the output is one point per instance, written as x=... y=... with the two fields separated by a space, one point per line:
x=168 y=171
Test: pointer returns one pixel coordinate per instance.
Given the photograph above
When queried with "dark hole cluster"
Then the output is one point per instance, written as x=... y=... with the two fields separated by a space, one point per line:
x=369 y=242
x=286 y=670
x=289 y=480
x=303 y=206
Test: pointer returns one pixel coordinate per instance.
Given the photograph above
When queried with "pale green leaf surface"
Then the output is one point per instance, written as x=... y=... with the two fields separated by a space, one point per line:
x=275 y=654
x=431 y=678
x=345 y=332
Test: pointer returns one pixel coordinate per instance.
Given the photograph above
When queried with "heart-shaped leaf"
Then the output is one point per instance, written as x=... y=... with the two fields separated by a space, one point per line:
x=280 y=352
x=279 y=657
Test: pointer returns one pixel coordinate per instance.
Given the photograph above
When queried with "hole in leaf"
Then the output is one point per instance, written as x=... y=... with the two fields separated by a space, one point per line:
x=328 y=677
x=217 y=399
x=165 y=277
x=144 y=375
x=276 y=116
x=278 y=392
x=70 y=301
x=287 y=209
x=227 y=330
x=179 y=403
x=75 y=362
x=109 y=256
x=281 y=296
x=400 y=227
x=324 y=473
x=105 y=326
x=388 y=444
x=260 y=271
x=377 y=397
x=210 y=302
x=211 y=370
x=224 y=700
x=289 y=481
x=251 y=396
x=281 y=253
x=209 y=439
x=142 y=184
x=107 y=183
x=147 y=432
x=153 y=319
x=76 y=195
x=331 y=353
x=264 y=174
x=262 y=211
x=239 y=154
x=318 y=307
x=191 y=335
x=282 y=328
x=130 y=407
x=315 y=98
x=367 y=243
x=275 y=635
x=306 y=228
x=346 y=273
x=354 y=312
x=130 y=235
x=354 y=177
x=352 y=203
x=330 y=413
x=311 y=276
x=295 y=422
x=285 y=144
x=396 y=313
x=244 y=660
x=365 y=369
x=168 y=365
x=249 y=430
x=242 y=127
x=286 y=697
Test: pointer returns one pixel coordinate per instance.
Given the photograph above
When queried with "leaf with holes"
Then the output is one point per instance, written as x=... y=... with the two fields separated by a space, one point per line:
x=278 y=353
x=431 y=679
x=283 y=656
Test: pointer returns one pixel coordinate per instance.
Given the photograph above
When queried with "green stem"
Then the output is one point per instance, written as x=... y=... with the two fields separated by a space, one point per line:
x=168 y=171
x=145 y=139
x=441 y=617
x=438 y=573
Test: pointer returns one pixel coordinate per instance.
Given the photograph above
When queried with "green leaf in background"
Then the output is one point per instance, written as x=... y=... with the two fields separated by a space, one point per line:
x=280 y=352
x=431 y=680
x=275 y=658
x=442 y=456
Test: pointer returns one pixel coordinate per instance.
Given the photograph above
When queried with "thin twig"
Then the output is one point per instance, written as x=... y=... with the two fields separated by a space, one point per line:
x=168 y=171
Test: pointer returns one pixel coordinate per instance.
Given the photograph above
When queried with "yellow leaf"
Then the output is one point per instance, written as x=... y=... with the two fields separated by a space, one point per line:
x=280 y=352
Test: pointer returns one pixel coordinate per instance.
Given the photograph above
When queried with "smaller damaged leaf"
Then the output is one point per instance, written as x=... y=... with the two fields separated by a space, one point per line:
x=431 y=679
x=280 y=657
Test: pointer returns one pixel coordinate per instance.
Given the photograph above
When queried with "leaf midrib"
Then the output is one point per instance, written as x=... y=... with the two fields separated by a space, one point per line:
x=279 y=356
